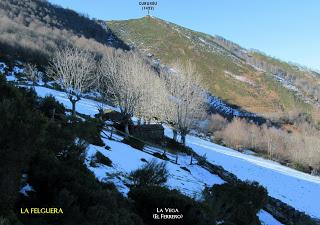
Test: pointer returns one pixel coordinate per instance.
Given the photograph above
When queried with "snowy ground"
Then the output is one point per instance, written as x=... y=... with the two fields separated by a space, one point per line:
x=295 y=188
x=126 y=159
x=221 y=107
x=84 y=106
x=267 y=219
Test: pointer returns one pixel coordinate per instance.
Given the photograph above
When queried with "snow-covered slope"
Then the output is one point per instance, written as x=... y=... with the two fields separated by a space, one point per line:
x=126 y=159
x=295 y=188
x=221 y=107
x=267 y=219
x=84 y=106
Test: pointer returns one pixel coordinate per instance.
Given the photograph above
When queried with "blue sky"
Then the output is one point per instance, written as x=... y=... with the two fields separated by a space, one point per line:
x=286 y=29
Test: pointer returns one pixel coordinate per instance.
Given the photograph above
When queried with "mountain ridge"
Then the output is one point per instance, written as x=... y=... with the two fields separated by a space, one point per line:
x=237 y=75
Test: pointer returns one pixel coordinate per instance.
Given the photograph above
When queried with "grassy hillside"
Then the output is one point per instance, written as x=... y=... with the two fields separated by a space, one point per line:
x=31 y=30
x=225 y=74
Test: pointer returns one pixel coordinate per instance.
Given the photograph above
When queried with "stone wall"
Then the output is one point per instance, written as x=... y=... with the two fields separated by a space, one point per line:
x=148 y=131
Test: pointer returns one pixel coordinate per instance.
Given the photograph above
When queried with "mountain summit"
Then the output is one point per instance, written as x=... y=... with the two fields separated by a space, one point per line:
x=242 y=77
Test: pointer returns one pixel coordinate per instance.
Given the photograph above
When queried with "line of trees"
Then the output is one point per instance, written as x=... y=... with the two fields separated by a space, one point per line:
x=134 y=86
x=31 y=71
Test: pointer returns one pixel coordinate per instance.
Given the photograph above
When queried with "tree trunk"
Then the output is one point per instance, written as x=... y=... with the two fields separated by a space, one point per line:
x=100 y=114
x=73 y=102
x=53 y=113
x=126 y=128
x=183 y=139
x=111 y=132
x=175 y=134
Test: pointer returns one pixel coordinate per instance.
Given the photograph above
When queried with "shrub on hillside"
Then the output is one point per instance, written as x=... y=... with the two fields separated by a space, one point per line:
x=133 y=142
x=150 y=174
x=237 y=203
x=147 y=199
x=235 y=134
x=202 y=159
x=89 y=130
x=162 y=156
x=51 y=107
x=176 y=146
x=217 y=122
x=21 y=135
x=100 y=158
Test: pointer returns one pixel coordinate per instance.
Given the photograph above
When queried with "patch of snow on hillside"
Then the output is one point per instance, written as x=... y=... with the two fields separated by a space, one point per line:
x=286 y=83
x=25 y=189
x=240 y=78
x=3 y=66
x=17 y=69
x=84 y=106
x=203 y=41
x=267 y=219
x=223 y=108
x=126 y=159
x=11 y=77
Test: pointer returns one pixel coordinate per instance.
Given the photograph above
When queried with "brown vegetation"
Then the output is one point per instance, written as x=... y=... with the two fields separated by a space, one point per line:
x=297 y=144
x=33 y=29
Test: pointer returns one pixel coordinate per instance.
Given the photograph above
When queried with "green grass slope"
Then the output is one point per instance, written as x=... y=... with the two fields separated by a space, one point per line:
x=224 y=73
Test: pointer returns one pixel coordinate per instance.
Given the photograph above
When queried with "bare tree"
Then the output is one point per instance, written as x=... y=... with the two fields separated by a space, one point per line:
x=123 y=79
x=187 y=97
x=73 y=69
x=216 y=123
x=31 y=72
x=155 y=104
